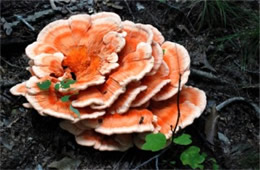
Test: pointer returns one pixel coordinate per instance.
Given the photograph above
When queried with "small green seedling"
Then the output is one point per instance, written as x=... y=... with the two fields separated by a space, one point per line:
x=154 y=142
x=65 y=84
x=193 y=158
x=45 y=85
x=57 y=86
x=184 y=139
x=65 y=98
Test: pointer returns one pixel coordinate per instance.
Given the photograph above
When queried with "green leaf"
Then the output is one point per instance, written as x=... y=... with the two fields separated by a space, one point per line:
x=65 y=84
x=204 y=154
x=183 y=139
x=45 y=85
x=192 y=157
x=163 y=51
x=154 y=142
x=57 y=86
x=65 y=98
x=76 y=111
x=215 y=166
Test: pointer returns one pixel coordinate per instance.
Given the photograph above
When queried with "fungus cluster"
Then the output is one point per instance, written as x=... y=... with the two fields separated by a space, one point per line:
x=111 y=81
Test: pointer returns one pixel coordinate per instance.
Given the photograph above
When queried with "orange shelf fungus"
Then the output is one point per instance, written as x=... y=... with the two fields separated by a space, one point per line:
x=111 y=81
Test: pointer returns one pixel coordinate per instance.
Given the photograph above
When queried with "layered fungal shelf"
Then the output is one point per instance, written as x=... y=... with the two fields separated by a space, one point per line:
x=111 y=81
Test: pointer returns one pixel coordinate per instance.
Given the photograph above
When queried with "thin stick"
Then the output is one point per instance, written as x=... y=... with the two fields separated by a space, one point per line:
x=12 y=65
x=207 y=75
x=120 y=160
x=178 y=106
x=129 y=9
x=152 y=158
x=156 y=163
x=25 y=22
x=173 y=132
x=249 y=71
x=235 y=99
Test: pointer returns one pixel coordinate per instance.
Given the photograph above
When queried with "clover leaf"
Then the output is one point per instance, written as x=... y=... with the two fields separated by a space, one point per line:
x=215 y=166
x=57 y=86
x=192 y=157
x=154 y=142
x=45 y=85
x=183 y=139
x=65 y=84
x=65 y=98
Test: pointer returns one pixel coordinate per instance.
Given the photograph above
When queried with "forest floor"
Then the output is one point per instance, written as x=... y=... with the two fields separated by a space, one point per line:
x=30 y=141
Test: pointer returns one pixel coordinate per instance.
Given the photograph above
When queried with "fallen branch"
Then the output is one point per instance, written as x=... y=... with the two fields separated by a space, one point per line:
x=31 y=18
x=207 y=75
x=35 y=17
x=236 y=99
x=19 y=17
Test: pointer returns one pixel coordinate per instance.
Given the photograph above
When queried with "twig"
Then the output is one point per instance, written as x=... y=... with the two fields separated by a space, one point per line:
x=38 y=15
x=31 y=18
x=180 y=11
x=156 y=157
x=156 y=163
x=178 y=107
x=153 y=18
x=4 y=99
x=235 y=99
x=116 y=167
x=7 y=83
x=249 y=71
x=53 y=6
x=25 y=22
x=12 y=65
x=129 y=9
x=152 y=158
x=6 y=26
x=254 y=86
x=14 y=121
x=183 y=27
x=207 y=75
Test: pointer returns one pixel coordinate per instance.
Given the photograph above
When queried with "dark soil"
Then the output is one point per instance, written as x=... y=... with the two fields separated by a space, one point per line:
x=30 y=141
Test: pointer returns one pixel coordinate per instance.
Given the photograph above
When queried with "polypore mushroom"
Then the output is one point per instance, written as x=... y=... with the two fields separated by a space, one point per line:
x=192 y=102
x=154 y=84
x=178 y=61
x=100 y=75
x=105 y=143
x=134 y=120
x=123 y=103
x=87 y=137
